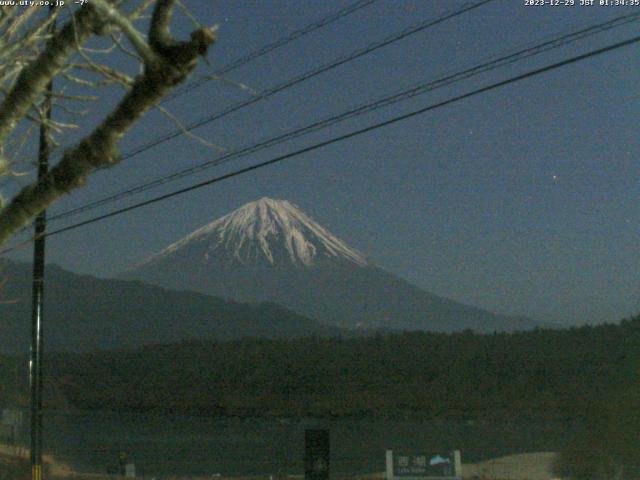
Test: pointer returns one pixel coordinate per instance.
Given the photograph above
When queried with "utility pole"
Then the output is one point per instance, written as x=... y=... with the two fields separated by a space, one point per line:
x=36 y=357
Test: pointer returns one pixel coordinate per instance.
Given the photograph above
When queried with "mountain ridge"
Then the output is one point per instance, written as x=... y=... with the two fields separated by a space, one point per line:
x=245 y=235
x=85 y=313
x=269 y=250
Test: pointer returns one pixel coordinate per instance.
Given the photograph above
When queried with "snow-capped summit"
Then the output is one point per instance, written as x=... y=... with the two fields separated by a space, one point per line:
x=271 y=251
x=266 y=231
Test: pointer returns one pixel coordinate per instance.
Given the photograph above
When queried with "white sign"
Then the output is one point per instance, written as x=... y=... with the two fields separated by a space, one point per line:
x=437 y=466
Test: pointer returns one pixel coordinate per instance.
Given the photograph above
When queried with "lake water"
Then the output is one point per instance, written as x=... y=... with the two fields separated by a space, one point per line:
x=183 y=445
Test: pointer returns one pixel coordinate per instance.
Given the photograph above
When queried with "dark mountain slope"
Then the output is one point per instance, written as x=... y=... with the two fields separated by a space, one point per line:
x=269 y=250
x=85 y=313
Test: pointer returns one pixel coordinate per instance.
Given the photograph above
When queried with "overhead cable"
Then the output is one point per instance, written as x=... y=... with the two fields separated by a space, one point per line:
x=281 y=42
x=340 y=138
x=407 y=32
x=385 y=101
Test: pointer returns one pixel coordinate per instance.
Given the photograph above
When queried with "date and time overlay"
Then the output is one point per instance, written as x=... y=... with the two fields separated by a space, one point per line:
x=581 y=3
x=526 y=3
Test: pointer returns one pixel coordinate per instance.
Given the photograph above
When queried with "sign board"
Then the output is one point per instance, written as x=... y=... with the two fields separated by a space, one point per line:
x=316 y=454
x=405 y=466
x=130 y=470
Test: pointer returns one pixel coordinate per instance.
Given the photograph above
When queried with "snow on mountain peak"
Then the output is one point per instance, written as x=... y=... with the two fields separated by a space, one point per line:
x=267 y=230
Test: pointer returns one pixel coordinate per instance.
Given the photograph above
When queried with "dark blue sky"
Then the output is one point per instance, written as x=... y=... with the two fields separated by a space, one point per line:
x=521 y=200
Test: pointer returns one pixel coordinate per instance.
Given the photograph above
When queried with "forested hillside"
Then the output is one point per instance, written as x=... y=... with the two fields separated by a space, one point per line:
x=585 y=376
x=540 y=373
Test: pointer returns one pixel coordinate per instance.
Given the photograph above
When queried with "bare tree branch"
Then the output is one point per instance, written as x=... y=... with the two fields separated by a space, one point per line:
x=143 y=7
x=159 y=34
x=187 y=133
x=105 y=9
x=34 y=78
x=168 y=65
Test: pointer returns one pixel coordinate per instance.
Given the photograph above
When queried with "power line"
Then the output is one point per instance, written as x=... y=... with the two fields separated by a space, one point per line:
x=281 y=42
x=307 y=75
x=340 y=138
x=301 y=78
x=387 y=100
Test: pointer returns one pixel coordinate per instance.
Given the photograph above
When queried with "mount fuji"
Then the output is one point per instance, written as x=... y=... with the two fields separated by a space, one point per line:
x=271 y=251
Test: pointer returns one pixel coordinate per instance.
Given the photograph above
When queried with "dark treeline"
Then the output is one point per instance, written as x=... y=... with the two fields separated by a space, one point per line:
x=540 y=373
x=587 y=375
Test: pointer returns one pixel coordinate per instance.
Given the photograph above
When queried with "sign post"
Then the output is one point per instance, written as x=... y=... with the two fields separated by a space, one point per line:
x=422 y=466
x=316 y=454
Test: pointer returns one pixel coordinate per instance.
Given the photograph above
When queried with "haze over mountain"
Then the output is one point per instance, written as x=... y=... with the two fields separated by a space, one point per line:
x=84 y=313
x=270 y=250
